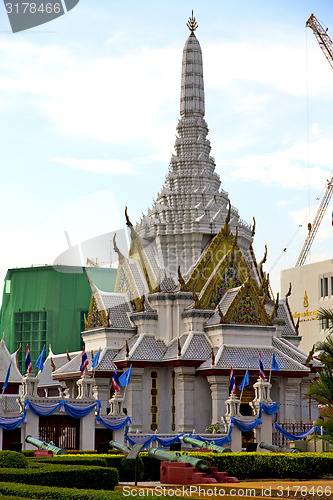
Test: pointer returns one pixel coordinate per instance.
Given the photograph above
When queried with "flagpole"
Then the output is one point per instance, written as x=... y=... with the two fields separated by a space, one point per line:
x=243 y=386
x=270 y=374
x=126 y=389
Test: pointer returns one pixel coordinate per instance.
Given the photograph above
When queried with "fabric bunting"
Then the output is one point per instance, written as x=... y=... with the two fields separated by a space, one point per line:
x=75 y=411
x=293 y=437
x=10 y=424
x=115 y=423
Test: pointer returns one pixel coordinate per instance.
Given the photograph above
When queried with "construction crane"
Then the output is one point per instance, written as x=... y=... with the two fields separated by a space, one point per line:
x=326 y=46
x=325 y=43
x=313 y=228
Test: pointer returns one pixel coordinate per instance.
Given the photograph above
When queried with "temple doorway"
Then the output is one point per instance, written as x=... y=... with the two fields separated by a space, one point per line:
x=63 y=430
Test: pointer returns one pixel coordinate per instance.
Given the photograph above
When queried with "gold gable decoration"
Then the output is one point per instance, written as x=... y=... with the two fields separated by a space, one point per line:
x=137 y=252
x=96 y=317
x=218 y=248
x=246 y=308
x=232 y=272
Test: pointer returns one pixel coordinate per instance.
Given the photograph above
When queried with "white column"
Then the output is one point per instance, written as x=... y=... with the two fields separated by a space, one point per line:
x=133 y=399
x=30 y=428
x=1 y=438
x=87 y=432
x=184 y=385
x=219 y=387
x=232 y=410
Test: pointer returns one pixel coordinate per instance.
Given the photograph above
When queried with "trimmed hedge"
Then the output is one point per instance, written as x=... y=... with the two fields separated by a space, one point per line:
x=13 y=460
x=42 y=492
x=271 y=465
x=242 y=465
x=88 y=477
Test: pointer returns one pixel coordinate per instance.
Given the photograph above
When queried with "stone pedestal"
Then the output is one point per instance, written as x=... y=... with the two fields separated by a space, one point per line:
x=184 y=384
x=29 y=385
x=262 y=395
x=232 y=405
x=101 y=391
x=116 y=405
x=85 y=385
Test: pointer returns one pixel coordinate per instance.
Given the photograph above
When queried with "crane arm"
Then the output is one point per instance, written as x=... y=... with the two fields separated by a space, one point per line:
x=323 y=38
x=316 y=223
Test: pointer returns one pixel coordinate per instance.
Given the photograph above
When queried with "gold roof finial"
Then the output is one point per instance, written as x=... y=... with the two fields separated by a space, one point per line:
x=192 y=24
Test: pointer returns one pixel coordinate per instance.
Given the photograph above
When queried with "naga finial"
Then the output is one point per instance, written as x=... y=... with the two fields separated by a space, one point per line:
x=192 y=24
x=289 y=291
x=116 y=249
x=220 y=314
x=213 y=357
x=253 y=227
x=180 y=277
x=129 y=224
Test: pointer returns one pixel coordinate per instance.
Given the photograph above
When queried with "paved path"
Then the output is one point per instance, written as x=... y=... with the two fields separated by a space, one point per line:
x=317 y=489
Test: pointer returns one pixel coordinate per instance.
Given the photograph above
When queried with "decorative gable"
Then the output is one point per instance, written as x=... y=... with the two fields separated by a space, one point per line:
x=246 y=307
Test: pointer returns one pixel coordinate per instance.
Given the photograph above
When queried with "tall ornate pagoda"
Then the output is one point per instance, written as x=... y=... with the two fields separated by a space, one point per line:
x=191 y=300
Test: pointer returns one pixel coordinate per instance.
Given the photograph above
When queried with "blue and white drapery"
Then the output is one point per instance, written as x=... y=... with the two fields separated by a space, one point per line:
x=75 y=411
x=115 y=424
x=11 y=423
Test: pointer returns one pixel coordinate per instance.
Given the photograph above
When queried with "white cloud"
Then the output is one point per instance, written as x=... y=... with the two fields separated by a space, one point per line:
x=110 y=166
x=287 y=167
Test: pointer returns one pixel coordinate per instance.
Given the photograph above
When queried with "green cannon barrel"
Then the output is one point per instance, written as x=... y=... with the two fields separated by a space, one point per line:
x=120 y=447
x=277 y=449
x=42 y=445
x=168 y=456
x=205 y=444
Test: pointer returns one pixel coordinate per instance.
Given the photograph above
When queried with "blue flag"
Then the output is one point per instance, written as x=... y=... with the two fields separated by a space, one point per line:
x=245 y=380
x=95 y=359
x=7 y=378
x=125 y=377
x=275 y=365
x=40 y=360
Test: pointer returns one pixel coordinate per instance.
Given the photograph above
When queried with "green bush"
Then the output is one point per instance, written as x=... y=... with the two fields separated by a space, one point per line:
x=69 y=477
x=271 y=465
x=127 y=469
x=13 y=459
x=49 y=492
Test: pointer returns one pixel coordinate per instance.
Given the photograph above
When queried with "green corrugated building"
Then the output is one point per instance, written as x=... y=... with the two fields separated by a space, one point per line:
x=46 y=305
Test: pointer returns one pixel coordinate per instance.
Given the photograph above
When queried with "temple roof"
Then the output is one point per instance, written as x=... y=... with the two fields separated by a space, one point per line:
x=15 y=375
x=248 y=357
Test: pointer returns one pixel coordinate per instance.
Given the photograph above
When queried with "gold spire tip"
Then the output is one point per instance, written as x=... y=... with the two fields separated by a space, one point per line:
x=192 y=24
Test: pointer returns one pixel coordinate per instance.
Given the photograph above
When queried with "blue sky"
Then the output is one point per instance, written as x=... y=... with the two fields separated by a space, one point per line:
x=89 y=105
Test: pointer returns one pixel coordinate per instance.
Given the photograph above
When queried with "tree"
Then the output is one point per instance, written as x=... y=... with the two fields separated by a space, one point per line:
x=321 y=389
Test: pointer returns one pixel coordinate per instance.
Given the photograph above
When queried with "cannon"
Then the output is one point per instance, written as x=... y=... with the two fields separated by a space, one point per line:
x=205 y=444
x=120 y=447
x=277 y=449
x=168 y=456
x=43 y=445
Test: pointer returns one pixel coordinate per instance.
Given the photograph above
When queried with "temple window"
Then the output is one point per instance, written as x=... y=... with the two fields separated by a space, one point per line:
x=153 y=407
